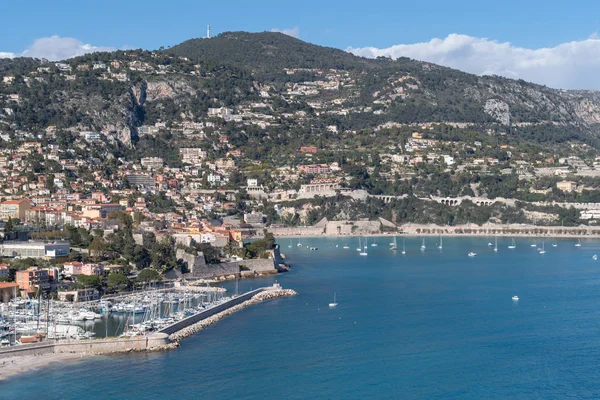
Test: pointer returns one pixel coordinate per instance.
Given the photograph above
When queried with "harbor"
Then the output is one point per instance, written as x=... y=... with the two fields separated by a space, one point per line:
x=150 y=332
x=36 y=320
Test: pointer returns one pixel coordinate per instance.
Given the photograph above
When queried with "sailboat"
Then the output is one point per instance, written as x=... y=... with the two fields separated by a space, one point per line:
x=423 y=245
x=364 y=250
x=334 y=302
x=578 y=243
x=496 y=244
x=359 y=248
x=543 y=250
x=513 y=245
x=394 y=246
x=290 y=245
x=403 y=246
x=534 y=244
x=373 y=244
x=441 y=245
x=346 y=246
x=554 y=244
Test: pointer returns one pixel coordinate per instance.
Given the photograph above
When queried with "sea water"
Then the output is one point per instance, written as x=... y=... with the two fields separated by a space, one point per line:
x=432 y=324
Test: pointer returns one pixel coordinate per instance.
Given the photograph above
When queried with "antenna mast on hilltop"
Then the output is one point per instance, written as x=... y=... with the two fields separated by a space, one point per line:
x=208 y=31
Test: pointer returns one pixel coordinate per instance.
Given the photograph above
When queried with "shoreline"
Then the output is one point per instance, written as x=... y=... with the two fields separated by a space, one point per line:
x=466 y=235
x=16 y=365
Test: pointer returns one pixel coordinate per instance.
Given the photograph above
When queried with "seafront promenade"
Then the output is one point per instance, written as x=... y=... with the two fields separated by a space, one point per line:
x=340 y=229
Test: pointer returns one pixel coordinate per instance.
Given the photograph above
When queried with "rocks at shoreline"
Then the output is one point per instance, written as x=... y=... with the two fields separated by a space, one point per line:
x=198 y=326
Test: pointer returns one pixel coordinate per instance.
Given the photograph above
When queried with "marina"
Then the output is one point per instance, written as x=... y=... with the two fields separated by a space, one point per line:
x=23 y=320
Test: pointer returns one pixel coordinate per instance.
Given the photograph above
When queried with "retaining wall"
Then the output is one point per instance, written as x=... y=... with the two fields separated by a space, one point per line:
x=184 y=323
x=92 y=346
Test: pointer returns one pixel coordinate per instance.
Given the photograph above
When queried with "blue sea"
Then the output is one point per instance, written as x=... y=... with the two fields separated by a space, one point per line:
x=426 y=325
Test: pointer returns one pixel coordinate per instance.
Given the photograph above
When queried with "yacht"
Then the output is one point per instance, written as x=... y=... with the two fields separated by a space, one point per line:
x=363 y=251
x=515 y=298
x=512 y=245
x=543 y=250
x=331 y=305
x=471 y=254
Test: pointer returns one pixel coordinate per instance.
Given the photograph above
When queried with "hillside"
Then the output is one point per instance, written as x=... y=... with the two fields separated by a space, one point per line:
x=125 y=90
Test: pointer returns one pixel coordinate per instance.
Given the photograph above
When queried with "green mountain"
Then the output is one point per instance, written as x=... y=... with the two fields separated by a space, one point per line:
x=297 y=84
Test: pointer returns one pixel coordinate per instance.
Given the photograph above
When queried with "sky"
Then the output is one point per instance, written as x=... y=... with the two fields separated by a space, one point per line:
x=551 y=42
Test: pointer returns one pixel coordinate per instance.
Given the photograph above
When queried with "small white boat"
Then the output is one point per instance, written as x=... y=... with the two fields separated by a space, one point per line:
x=299 y=245
x=513 y=245
x=403 y=246
x=346 y=246
x=441 y=245
x=515 y=298
x=394 y=245
x=555 y=244
x=331 y=305
x=595 y=257
x=471 y=254
x=495 y=245
x=578 y=243
x=490 y=244
x=423 y=245
x=543 y=250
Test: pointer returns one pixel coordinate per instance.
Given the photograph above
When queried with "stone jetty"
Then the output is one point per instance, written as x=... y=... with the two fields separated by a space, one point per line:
x=262 y=296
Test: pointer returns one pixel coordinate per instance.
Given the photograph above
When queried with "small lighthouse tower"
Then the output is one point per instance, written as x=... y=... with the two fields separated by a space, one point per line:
x=208 y=31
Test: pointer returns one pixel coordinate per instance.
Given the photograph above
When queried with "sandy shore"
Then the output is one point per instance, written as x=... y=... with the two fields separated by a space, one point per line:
x=12 y=366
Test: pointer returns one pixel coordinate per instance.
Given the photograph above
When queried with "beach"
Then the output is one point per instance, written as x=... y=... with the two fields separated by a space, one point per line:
x=12 y=366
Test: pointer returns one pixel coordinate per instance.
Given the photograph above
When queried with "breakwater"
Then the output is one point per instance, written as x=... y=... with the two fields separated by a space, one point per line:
x=206 y=320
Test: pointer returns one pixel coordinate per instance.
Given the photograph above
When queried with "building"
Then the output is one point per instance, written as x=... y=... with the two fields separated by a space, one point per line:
x=101 y=210
x=315 y=169
x=192 y=155
x=152 y=162
x=566 y=186
x=33 y=278
x=15 y=209
x=141 y=180
x=34 y=249
x=4 y=270
x=79 y=295
x=8 y=291
x=254 y=218
x=73 y=268
x=92 y=269
x=308 y=149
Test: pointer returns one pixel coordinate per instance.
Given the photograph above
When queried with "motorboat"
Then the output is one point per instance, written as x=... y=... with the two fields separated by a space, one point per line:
x=595 y=257
x=515 y=298
x=471 y=254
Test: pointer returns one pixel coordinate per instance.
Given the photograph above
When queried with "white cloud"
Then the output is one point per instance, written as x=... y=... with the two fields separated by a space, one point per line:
x=294 y=32
x=56 y=48
x=571 y=65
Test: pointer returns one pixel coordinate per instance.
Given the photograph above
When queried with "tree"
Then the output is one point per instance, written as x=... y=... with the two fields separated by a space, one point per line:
x=9 y=227
x=89 y=280
x=148 y=275
x=114 y=280
x=98 y=246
